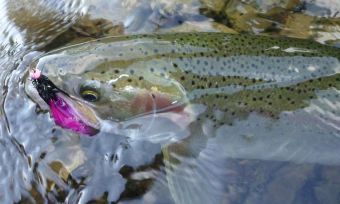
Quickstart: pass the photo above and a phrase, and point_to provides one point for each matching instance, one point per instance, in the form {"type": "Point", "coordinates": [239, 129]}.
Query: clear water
{"type": "Point", "coordinates": [290, 160]}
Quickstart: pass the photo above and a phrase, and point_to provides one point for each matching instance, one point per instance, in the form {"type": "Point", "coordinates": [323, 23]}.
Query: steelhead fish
{"type": "Point", "coordinates": [231, 76]}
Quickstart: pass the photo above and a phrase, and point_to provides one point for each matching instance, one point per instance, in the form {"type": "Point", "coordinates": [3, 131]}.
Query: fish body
{"type": "Point", "coordinates": [232, 75]}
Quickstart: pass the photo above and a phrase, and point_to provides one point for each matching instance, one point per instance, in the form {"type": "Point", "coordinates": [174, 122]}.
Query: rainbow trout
{"type": "Point", "coordinates": [232, 75]}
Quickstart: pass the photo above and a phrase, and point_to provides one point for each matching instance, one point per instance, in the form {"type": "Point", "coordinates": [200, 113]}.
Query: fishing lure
{"type": "Point", "coordinates": [67, 112]}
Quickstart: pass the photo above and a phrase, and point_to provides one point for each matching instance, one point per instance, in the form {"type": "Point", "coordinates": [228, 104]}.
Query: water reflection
{"type": "Point", "coordinates": [274, 161]}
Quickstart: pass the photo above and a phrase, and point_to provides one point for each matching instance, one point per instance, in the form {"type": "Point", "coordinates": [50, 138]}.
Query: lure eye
{"type": "Point", "coordinates": [89, 95]}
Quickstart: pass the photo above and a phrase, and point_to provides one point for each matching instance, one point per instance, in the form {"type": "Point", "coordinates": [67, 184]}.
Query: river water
{"type": "Point", "coordinates": [42, 163]}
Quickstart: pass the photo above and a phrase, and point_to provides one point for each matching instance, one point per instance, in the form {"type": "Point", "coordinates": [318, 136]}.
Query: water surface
{"type": "Point", "coordinates": [260, 160]}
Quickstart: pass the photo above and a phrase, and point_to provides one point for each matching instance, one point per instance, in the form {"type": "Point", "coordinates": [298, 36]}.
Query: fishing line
{"type": "Point", "coordinates": [153, 115]}
{"type": "Point", "coordinates": [154, 111]}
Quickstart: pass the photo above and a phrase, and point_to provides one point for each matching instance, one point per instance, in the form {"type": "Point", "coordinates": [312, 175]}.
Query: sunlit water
{"type": "Point", "coordinates": [256, 160]}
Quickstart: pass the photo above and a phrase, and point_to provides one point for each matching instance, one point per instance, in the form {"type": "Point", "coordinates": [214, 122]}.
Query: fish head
{"type": "Point", "coordinates": [113, 92]}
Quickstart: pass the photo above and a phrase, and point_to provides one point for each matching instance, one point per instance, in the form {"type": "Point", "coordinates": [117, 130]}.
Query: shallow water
{"type": "Point", "coordinates": [290, 160]}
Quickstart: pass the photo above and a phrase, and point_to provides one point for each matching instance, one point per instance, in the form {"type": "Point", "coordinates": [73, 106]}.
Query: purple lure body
{"type": "Point", "coordinates": [66, 114]}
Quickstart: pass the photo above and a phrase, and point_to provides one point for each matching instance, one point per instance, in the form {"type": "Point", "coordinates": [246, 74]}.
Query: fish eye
{"type": "Point", "coordinates": [90, 95]}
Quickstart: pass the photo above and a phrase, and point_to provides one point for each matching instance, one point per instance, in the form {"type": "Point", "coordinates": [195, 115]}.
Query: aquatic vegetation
{"type": "Point", "coordinates": [290, 18]}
